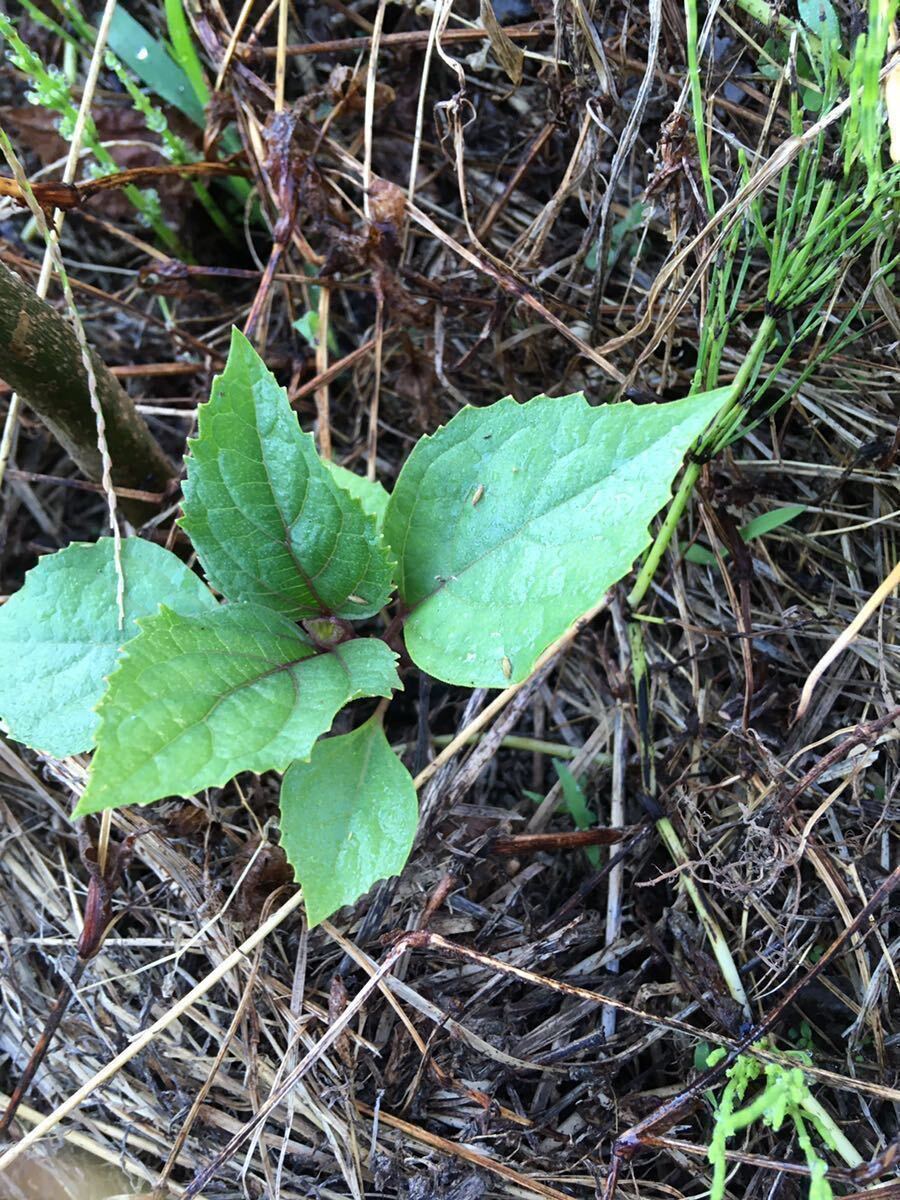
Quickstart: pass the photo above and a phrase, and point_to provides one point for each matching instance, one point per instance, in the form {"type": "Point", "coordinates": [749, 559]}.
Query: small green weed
{"type": "Point", "coordinates": [576, 805]}
{"type": "Point", "coordinates": [179, 83]}
{"type": "Point", "coordinates": [783, 1097]}
{"type": "Point", "coordinates": [49, 89]}
{"type": "Point", "coordinates": [765, 523]}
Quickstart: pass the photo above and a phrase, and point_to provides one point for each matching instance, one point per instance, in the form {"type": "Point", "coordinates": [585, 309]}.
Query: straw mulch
{"type": "Point", "coordinates": [458, 1081]}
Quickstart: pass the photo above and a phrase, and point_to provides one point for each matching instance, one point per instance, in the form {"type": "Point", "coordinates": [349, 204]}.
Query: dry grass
{"type": "Point", "coordinates": [457, 1080]}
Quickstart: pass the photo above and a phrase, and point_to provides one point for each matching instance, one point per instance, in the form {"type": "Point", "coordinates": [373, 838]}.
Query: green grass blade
{"type": "Point", "coordinates": [148, 57]}
{"type": "Point", "coordinates": [185, 52]}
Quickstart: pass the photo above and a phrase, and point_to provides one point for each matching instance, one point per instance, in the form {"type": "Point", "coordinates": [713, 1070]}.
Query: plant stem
{"type": "Point", "coordinates": [690, 14]}
{"type": "Point", "coordinates": [692, 471]}
{"type": "Point", "coordinates": [640, 671]}
{"type": "Point", "coordinates": [794, 265]}
{"type": "Point", "coordinates": [711, 927]}
{"type": "Point", "coordinates": [828, 1126]}
{"type": "Point", "coordinates": [41, 359]}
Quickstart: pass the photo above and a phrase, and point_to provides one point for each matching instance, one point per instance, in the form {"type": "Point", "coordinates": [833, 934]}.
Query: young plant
{"type": "Point", "coordinates": [784, 1096]}
{"type": "Point", "coordinates": [504, 527]}
{"type": "Point", "coordinates": [49, 89]}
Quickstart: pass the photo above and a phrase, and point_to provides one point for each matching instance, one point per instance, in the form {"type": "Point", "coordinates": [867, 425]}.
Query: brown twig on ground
{"type": "Point", "coordinates": [414, 37]}
{"type": "Point", "coordinates": [534, 843]}
{"type": "Point", "coordinates": [70, 196]}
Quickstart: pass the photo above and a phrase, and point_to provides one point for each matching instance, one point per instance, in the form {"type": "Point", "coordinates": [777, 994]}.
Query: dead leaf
{"type": "Point", "coordinates": [506, 52]}
{"type": "Point", "coordinates": [388, 202]}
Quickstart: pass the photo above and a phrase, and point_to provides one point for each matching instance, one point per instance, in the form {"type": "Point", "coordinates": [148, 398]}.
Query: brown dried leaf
{"type": "Point", "coordinates": [270, 871]}
{"type": "Point", "coordinates": [347, 88]}
{"type": "Point", "coordinates": [388, 201]}
{"type": "Point", "coordinates": [506, 52]}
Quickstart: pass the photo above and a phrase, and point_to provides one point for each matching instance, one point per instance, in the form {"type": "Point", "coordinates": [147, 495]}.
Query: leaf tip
{"type": "Point", "coordinates": [240, 342]}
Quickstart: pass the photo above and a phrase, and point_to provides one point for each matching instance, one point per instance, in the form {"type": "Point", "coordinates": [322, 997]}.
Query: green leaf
{"type": "Point", "coordinates": [768, 521]}
{"type": "Point", "coordinates": [348, 818]}
{"type": "Point", "coordinates": [150, 60]}
{"type": "Point", "coordinates": [513, 520]}
{"type": "Point", "coordinates": [577, 805]}
{"type": "Point", "coordinates": [701, 1055]}
{"type": "Point", "coordinates": [308, 327]}
{"type": "Point", "coordinates": [264, 512]}
{"type": "Point", "coordinates": [820, 18]}
{"type": "Point", "coordinates": [763, 524]}
{"type": "Point", "coordinates": [369, 492]}
{"type": "Point", "coordinates": [185, 51]}
{"type": "Point", "coordinates": [700, 556]}
{"type": "Point", "coordinates": [618, 237]}
{"type": "Point", "coordinates": [60, 635]}
{"type": "Point", "coordinates": [197, 699]}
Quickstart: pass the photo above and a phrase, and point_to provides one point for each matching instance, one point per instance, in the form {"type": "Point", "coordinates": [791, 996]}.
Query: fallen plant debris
{"type": "Point", "coordinates": [644, 940]}
{"type": "Point", "coordinates": [69, 196]}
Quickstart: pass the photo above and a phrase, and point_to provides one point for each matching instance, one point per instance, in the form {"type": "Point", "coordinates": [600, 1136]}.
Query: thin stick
{"type": "Point", "coordinates": [420, 115]}
{"type": "Point", "coordinates": [515, 179]}
{"type": "Point", "coordinates": [877, 598]}
{"type": "Point", "coordinates": [739, 1156]}
{"type": "Point", "coordinates": [371, 81]}
{"type": "Point", "coordinates": [178, 1010]}
{"type": "Point", "coordinates": [323, 406]}
{"type": "Point", "coordinates": [617, 871]}
{"type": "Point", "coordinates": [413, 37]}
{"type": "Point", "coordinates": [103, 839]}
{"type": "Point", "coordinates": [334, 370]}
{"type": "Point", "coordinates": [280, 61]}
{"type": "Point", "coordinates": [372, 436]}
{"type": "Point", "coordinates": [368, 135]}
{"type": "Point", "coordinates": [83, 485]}
{"type": "Point", "coordinates": [243, 17]}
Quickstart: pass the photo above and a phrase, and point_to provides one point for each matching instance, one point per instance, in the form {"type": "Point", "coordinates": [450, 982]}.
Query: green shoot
{"type": "Point", "coordinates": [49, 89]}
{"type": "Point", "coordinates": [785, 1098]}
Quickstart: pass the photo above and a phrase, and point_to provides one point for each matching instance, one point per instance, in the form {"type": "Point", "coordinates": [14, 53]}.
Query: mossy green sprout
{"type": "Point", "coordinates": [785, 1097]}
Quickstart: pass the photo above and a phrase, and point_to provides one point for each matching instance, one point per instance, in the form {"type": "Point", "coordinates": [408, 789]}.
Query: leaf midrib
{"type": "Point", "coordinates": [220, 699]}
